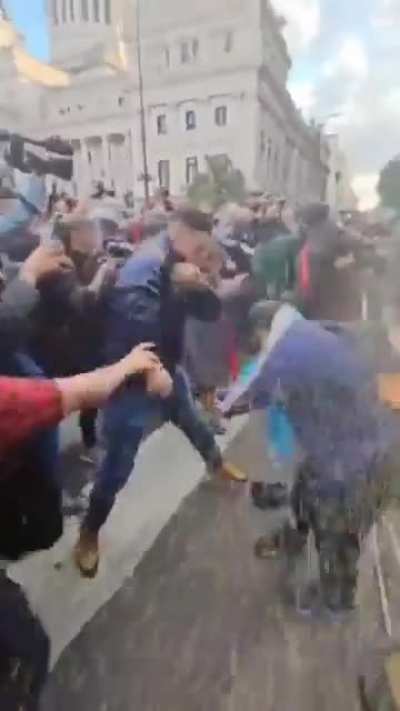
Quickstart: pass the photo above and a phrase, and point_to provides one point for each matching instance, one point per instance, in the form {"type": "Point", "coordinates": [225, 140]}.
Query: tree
{"type": "Point", "coordinates": [222, 183]}
{"type": "Point", "coordinates": [389, 184]}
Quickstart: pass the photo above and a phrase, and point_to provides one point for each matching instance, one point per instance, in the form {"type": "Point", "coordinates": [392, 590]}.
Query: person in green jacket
{"type": "Point", "coordinates": [274, 263]}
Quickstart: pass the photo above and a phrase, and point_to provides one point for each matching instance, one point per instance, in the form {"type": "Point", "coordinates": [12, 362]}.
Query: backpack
{"type": "Point", "coordinates": [24, 650]}
{"type": "Point", "coordinates": [30, 505]}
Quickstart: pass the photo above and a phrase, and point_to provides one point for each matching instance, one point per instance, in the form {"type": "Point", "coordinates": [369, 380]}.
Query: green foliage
{"type": "Point", "coordinates": [221, 184]}
{"type": "Point", "coordinates": [389, 184]}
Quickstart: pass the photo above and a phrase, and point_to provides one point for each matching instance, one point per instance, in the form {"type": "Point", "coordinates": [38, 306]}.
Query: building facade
{"type": "Point", "coordinates": [214, 84]}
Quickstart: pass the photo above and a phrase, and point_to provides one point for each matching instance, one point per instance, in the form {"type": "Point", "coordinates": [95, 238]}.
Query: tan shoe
{"type": "Point", "coordinates": [86, 554]}
{"type": "Point", "coordinates": [229, 472]}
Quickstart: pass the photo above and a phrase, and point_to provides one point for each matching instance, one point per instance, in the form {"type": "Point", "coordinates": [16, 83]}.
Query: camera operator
{"type": "Point", "coordinates": [21, 296]}
{"type": "Point", "coordinates": [20, 207]}
{"type": "Point", "coordinates": [73, 297]}
{"type": "Point", "coordinates": [68, 331]}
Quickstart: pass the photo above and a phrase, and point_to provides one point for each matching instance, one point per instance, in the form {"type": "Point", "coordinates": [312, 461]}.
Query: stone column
{"type": "Point", "coordinates": [86, 175]}
{"type": "Point", "coordinates": [106, 161]}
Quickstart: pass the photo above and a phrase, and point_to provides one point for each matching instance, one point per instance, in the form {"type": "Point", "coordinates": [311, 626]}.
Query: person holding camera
{"type": "Point", "coordinates": [19, 207]}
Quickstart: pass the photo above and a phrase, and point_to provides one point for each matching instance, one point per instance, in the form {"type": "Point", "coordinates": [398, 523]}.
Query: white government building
{"type": "Point", "coordinates": [214, 84]}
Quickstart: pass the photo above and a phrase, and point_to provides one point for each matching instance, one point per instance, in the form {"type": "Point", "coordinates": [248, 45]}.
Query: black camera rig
{"type": "Point", "coordinates": [58, 161]}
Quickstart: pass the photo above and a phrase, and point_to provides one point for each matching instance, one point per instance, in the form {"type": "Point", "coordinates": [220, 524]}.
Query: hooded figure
{"type": "Point", "coordinates": [346, 436]}
{"type": "Point", "coordinates": [327, 289]}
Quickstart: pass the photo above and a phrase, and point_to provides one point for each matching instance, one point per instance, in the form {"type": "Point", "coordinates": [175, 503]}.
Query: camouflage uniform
{"type": "Point", "coordinates": [340, 521]}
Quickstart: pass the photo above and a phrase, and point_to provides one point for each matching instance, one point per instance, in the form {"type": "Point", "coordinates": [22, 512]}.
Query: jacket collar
{"type": "Point", "coordinates": [282, 322]}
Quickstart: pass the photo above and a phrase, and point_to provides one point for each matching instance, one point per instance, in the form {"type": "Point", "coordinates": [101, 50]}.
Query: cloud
{"type": "Point", "coordinates": [351, 60]}
{"type": "Point", "coordinates": [351, 69]}
{"type": "Point", "coordinates": [303, 19]}
{"type": "Point", "coordinates": [304, 95]}
{"type": "Point", "coordinates": [387, 15]}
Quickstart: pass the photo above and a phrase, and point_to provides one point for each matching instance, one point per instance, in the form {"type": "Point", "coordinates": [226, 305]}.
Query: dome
{"type": "Point", "coordinates": [9, 37]}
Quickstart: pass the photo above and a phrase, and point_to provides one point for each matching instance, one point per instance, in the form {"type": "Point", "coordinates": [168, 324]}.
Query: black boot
{"type": "Point", "coordinates": [286, 541]}
{"type": "Point", "coordinates": [269, 496]}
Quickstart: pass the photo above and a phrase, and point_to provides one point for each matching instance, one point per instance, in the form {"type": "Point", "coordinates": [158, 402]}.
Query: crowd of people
{"type": "Point", "coordinates": [148, 318]}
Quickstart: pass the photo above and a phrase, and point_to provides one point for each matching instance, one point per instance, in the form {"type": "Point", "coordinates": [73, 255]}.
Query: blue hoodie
{"type": "Point", "coordinates": [331, 398]}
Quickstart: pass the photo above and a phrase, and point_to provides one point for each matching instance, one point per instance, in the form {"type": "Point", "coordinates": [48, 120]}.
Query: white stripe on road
{"type": "Point", "coordinates": [381, 582]}
{"type": "Point", "coordinates": [167, 471]}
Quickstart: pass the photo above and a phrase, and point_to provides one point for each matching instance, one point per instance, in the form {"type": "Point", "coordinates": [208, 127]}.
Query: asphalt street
{"type": "Point", "coordinates": [182, 616]}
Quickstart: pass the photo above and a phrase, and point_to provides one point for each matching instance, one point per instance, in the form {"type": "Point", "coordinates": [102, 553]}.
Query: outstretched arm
{"type": "Point", "coordinates": [92, 390]}
{"type": "Point", "coordinates": [27, 406]}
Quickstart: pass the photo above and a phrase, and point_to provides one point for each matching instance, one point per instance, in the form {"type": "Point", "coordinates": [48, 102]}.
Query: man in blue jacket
{"type": "Point", "coordinates": [164, 281]}
{"type": "Point", "coordinates": [345, 434]}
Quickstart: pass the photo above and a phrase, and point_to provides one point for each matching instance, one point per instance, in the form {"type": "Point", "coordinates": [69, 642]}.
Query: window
{"type": "Point", "coordinates": [55, 11]}
{"type": "Point", "coordinates": [269, 156]}
{"type": "Point", "coordinates": [276, 168]}
{"type": "Point", "coordinates": [221, 115]}
{"type": "Point", "coordinates": [189, 50]}
{"type": "Point", "coordinates": [107, 11]}
{"type": "Point", "coordinates": [163, 174]}
{"type": "Point", "coordinates": [96, 10]}
{"type": "Point", "coordinates": [72, 10]}
{"type": "Point", "coordinates": [121, 101]}
{"type": "Point", "coordinates": [228, 42]}
{"type": "Point", "coordinates": [192, 169]}
{"type": "Point", "coordinates": [185, 53]}
{"type": "Point", "coordinates": [64, 11]}
{"type": "Point", "coordinates": [85, 10]}
{"type": "Point", "coordinates": [190, 120]}
{"type": "Point", "coordinates": [161, 125]}
{"type": "Point", "coordinates": [89, 155]}
{"type": "Point", "coordinates": [167, 57]}
{"type": "Point", "coordinates": [221, 160]}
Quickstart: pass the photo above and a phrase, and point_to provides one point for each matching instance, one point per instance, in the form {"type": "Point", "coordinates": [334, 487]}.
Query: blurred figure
{"type": "Point", "coordinates": [208, 349]}
{"type": "Point", "coordinates": [348, 438]}
{"type": "Point", "coordinates": [28, 510]}
{"type": "Point", "coordinates": [155, 291]}
{"type": "Point", "coordinates": [328, 281]}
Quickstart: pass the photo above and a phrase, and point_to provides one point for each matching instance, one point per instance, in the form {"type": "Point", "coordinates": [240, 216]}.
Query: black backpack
{"type": "Point", "coordinates": [24, 651]}
{"type": "Point", "coordinates": [30, 506]}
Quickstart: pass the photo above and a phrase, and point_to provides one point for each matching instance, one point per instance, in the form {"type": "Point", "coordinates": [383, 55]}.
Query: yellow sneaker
{"type": "Point", "coordinates": [86, 554]}
{"type": "Point", "coordinates": [229, 472]}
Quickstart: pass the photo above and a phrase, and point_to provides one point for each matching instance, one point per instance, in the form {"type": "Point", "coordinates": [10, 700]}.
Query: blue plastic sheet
{"type": "Point", "coordinates": [280, 434]}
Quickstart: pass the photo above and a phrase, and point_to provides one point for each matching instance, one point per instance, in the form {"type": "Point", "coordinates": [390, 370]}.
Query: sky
{"type": "Point", "coordinates": [30, 18]}
{"type": "Point", "coordinates": [346, 58]}
{"type": "Point", "coordinates": [346, 61]}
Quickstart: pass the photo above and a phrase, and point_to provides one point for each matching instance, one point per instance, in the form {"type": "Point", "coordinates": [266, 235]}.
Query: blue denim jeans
{"type": "Point", "coordinates": [127, 419]}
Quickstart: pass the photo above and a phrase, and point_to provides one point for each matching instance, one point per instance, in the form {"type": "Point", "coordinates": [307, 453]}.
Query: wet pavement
{"type": "Point", "coordinates": [202, 625]}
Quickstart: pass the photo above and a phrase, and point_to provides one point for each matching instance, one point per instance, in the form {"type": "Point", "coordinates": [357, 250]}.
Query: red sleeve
{"type": "Point", "coordinates": [26, 406]}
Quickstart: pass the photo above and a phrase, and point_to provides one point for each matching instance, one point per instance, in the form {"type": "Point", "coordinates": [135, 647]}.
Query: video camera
{"type": "Point", "coordinates": [57, 162]}
{"type": "Point", "coordinates": [120, 250]}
